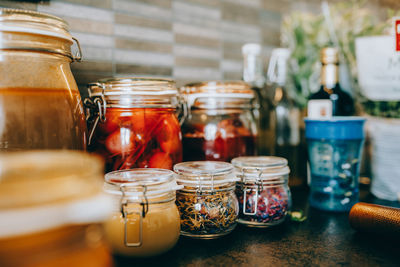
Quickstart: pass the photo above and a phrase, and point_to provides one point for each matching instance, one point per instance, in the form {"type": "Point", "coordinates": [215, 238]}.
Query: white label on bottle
{"type": "Point", "coordinates": [319, 108]}
{"type": "Point", "coordinates": [378, 68]}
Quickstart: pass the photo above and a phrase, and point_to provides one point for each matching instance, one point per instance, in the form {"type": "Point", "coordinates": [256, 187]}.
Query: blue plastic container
{"type": "Point", "coordinates": [334, 149]}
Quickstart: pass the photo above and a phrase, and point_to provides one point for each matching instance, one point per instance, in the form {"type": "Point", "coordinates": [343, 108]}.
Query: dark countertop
{"type": "Point", "coordinates": [323, 239]}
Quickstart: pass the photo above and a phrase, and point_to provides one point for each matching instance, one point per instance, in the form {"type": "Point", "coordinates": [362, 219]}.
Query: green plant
{"type": "Point", "coordinates": [305, 34]}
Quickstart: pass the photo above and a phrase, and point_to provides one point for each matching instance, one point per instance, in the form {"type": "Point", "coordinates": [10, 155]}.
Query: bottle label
{"type": "Point", "coordinates": [378, 67]}
{"type": "Point", "coordinates": [319, 108]}
{"type": "Point", "coordinates": [397, 33]}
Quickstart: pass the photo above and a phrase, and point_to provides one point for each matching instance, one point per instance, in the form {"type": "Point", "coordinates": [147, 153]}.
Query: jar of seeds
{"type": "Point", "coordinates": [207, 202]}
{"type": "Point", "coordinates": [263, 191]}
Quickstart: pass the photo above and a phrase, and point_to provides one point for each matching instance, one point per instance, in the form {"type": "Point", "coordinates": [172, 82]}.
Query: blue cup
{"type": "Point", "coordinates": [334, 149]}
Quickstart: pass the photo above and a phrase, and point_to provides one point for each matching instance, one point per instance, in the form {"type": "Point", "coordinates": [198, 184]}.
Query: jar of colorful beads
{"type": "Point", "coordinates": [263, 191]}
{"type": "Point", "coordinates": [207, 202]}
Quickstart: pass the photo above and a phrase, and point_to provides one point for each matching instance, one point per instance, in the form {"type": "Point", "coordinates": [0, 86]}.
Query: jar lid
{"type": "Point", "coordinates": [136, 92]}
{"type": "Point", "coordinates": [251, 48]}
{"type": "Point", "coordinates": [140, 86]}
{"type": "Point", "coordinates": [253, 168]}
{"type": "Point", "coordinates": [33, 22]}
{"type": "Point", "coordinates": [43, 190]}
{"type": "Point", "coordinates": [139, 183]}
{"type": "Point", "coordinates": [230, 93]}
{"type": "Point", "coordinates": [205, 174]}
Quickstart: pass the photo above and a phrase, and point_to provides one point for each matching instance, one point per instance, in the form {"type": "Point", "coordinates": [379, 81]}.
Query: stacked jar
{"type": "Point", "coordinates": [263, 191]}
{"type": "Point", "coordinates": [221, 123]}
{"type": "Point", "coordinates": [51, 210]}
{"type": "Point", "coordinates": [207, 202]}
{"type": "Point", "coordinates": [134, 123]}
{"type": "Point", "coordinates": [41, 107]}
{"type": "Point", "coordinates": [145, 221]}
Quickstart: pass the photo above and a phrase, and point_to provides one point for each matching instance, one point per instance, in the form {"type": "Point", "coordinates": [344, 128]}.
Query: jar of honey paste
{"type": "Point", "coordinates": [51, 209]}
{"type": "Point", "coordinates": [207, 202]}
{"type": "Point", "coordinates": [145, 221]}
{"type": "Point", "coordinates": [40, 105]}
{"type": "Point", "coordinates": [221, 123]}
{"type": "Point", "coordinates": [134, 123]}
{"type": "Point", "coordinates": [263, 191]}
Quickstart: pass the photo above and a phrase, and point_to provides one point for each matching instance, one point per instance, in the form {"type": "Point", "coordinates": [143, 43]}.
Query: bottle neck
{"type": "Point", "coordinates": [279, 77]}
{"type": "Point", "coordinates": [253, 70]}
{"type": "Point", "coordinates": [329, 76]}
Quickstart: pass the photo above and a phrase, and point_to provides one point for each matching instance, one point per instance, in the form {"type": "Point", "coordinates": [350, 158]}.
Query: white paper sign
{"type": "Point", "coordinates": [319, 108]}
{"type": "Point", "coordinates": [378, 68]}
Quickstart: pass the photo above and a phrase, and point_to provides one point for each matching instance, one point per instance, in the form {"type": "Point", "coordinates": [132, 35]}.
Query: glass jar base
{"type": "Point", "coordinates": [208, 236]}
{"type": "Point", "coordinates": [258, 224]}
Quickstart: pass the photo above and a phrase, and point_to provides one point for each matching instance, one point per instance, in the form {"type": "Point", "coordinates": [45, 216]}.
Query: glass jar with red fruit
{"type": "Point", "coordinates": [134, 123]}
{"type": "Point", "coordinates": [220, 124]}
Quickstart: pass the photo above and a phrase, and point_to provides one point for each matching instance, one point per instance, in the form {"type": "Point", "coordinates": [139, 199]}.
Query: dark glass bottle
{"type": "Point", "coordinates": [341, 103]}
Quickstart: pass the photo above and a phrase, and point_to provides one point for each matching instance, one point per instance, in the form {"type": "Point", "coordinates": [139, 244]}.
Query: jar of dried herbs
{"type": "Point", "coordinates": [263, 191]}
{"type": "Point", "coordinates": [207, 202]}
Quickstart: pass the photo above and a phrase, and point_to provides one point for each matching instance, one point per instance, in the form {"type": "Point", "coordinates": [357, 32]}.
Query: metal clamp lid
{"type": "Point", "coordinates": [95, 109]}
{"type": "Point", "coordinates": [125, 213]}
{"type": "Point", "coordinates": [260, 185]}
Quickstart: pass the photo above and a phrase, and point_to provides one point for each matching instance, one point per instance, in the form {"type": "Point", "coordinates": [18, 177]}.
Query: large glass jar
{"type": "Point", "coordinates": [207, 202]}
{"type": "Point", "coordinates": [134, 123]}
{"type": "Point", "coordinates": [145, 221]}
{"type": "Point", "coordinates": [220, 124]}
{"type": "Point", "coordinates": [40, 105]}
{"type": "Point", "coordinates": [51, 210]}
{"type": "Point", "coordinates": [263, 191]}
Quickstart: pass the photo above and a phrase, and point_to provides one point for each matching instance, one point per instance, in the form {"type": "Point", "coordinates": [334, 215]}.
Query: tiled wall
{"type": "Point", "coordinates": [188, 40]}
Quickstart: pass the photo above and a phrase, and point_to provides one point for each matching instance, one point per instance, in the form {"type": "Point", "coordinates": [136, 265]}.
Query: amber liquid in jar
{"type": "Point", "coordinates": [77, 245]}
{"type": "Point", "coordinates": [35, 118]}
{"type": "Point", "coordinates": [161, 229]}
{"type": "Point", "coordinates": [139, 138]}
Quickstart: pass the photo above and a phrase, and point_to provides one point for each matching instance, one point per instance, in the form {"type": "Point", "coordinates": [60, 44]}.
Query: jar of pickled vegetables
{"type": "Point", "coordinates": [41, 107]}
{"type": "Point", "coordinates": [263, 191]}
{"type": "Point", "coordinates": [220, 124]}
{"type": "Point", "coordinates": [145, 221]}
{"type": "Point", "coordinates": [207, 202]}
{"type": "Point", "coordinates": [134, 123]}
{"type": "Point", "coordinates": [51, 209]}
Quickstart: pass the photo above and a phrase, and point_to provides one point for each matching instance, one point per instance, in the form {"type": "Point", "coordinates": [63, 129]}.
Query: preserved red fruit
{"type": "Point", "coordinates": [139, 138]}
{"type": "Point", "coordinates": [221, 123]}
{"type": "Point", "coordinates": [222, 141]}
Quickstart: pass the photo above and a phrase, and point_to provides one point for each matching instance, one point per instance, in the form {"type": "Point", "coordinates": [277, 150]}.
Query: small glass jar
{"type": "Point", "coordinates": [145, 221]}
{"type": "Point", "coordinates": [263, 191]}
{"type": "Point", "coordinates": [134, 123]}
{"type": "Point", "coordinates": [221, 123]}
{"type": "Point", "coordinates": [207, 203]}
{"type": "Point", "coordinates": [41, 107]}
{"type": "Point", "coordinates": [51, 210]}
